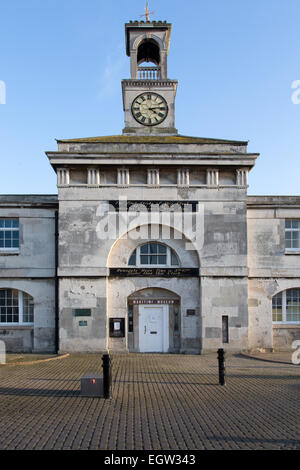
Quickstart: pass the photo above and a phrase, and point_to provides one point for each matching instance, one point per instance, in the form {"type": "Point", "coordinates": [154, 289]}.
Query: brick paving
{"type": "Point", "coordinates": [160, 402]}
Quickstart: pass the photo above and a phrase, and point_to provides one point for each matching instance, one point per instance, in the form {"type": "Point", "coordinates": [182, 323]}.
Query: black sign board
{"type": "Point", "coordinates": [154, 272]}
{"type": "Point", "coordinates": [82, 312]}
{"type": "Point", "coordinates": [190, 312]}
{"type": "Point", "coordinates": [153, 301]}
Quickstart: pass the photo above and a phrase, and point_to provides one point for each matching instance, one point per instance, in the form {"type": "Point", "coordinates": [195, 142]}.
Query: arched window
{"type": "Point", "coordinates": [153, 254]}
{"type": "Point", "coordinates": [148, 51]}
{"type": "Point", "coordinates": [286, 307]}
{"type": "Point", "coordinates": [16, 307]}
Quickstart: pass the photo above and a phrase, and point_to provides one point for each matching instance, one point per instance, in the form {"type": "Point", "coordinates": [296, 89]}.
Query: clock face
{"type": "Point", "coordinates": [149, 109]}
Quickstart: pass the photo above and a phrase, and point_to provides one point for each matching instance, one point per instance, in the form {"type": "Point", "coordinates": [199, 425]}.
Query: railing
{"type": "Point", "coordinates": [148, 73]}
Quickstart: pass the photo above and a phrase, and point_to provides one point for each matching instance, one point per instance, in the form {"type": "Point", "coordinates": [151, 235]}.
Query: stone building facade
{"type": "Point", "coordinates": [152, 243]}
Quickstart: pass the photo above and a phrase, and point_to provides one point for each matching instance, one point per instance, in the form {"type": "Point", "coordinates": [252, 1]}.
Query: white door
{"type": "Point", "coordinates": [154, 328]}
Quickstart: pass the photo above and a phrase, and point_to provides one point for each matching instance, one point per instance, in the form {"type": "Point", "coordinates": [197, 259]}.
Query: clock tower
{"type": "Point", "coordinates": [149, 95]}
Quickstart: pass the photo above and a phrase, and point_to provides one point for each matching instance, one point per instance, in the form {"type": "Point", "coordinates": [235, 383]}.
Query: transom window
{"type": "Point", "coordinates": [15, 307]}
{"type": "Point", "coordinates": [153, 254]}
{"type": "Point", "coordinates": [292, 234]}
{"type": "Point", "coordinates": [9, 234]}
{"type": "Point", "coordinates": [286, 306]}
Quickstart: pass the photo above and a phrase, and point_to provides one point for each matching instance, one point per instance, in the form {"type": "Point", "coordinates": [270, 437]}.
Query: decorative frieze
{"type": "Point", "coordinates": [93, 176]}
{"type": "Point", "coordinates": [183, 177]}
{"type": "Point", "coordinates": [63, 176]}
{"type": "Point", "coordinates": [212, 177]}
{"type": "Point", "coordinates": [123, 177]}
{"type": "Point", "coordinates": [242, 177]}
{"type": "Point", "coordinates": [153, 177]}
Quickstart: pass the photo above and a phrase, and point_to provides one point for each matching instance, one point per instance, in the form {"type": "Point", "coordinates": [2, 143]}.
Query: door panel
{"type": "Point", "coordinates": [153, 321]}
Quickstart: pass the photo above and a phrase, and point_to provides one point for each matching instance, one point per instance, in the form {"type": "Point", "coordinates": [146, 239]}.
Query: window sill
{"type": "Point", "coordinates": [286, 325]}
{"type": "Point", "coordinates": [7, 252]}
{"type": "Point", "coordinates": [292, 252]}
{"type": "Point", "coordinates": [13, 326]}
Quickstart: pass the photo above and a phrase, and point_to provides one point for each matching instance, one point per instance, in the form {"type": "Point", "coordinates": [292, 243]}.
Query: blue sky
{"type": "Point", "coordinates": [62, 62]}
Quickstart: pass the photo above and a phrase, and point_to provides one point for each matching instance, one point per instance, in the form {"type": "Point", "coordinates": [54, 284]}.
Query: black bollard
{"type": "Point", "coordinates": [221, 360]}
{"type": "Point", "coordinates": [106, 364]}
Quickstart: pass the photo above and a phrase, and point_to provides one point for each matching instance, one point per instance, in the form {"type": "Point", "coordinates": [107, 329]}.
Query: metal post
{"type": "Point", "coordinates": [221, 360]}
{"type": "Point", "coordinates": [106, 364]}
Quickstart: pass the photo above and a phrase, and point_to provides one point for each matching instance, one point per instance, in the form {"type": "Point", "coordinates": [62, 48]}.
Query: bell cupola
{"type": "Point", "coordinates": [149, 95]}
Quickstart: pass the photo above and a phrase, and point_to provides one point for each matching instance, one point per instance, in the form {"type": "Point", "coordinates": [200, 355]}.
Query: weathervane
{"type": "Point", "coordinates": [147, 12]}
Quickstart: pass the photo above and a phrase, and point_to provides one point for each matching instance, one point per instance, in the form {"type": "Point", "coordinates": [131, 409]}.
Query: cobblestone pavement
{"type": "Point", "coordinates": [160, 402]}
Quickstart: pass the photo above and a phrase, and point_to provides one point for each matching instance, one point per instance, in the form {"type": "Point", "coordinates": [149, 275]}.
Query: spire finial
{"type": "Point", "coordinates": [147, 12]}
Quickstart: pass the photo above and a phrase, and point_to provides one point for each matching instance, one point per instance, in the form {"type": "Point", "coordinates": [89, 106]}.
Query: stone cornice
{"type": "Point", "coordinates": [66, 158]}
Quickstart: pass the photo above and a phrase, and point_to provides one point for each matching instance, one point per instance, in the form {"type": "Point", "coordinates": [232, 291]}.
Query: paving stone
{"type": "Point", "coordinates": [159, 402]}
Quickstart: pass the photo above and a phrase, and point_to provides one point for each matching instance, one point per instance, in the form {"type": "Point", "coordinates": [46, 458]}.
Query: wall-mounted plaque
{"type": "Point", "coordinates": [82, 312]}
{"type": "Point", "coordinates": [191, 312]}
{"type": "Point", "coordinates": [154, 272]}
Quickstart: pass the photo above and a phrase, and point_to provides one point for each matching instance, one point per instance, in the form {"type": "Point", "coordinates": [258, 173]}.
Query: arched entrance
{"type": "Point", "coordinates": [154, 321]}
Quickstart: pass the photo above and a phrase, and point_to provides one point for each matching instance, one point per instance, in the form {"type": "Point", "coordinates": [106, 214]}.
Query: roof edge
{"type": "Point", "coordinates": [152, 139]}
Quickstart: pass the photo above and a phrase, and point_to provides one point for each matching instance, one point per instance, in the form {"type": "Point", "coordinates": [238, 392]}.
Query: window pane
{"type": "Point", "coordinates": [132, 259]}
{"type": "Point", "coordinates": [295, 241]}
{"type": "Point", "coordinates": [276, 316]}
{"type": "Point", "coordinates": [8, 294]}
{"type": "Point", "coordinates": [153, 247]}
{"type": "Point", "coordinates": [288, 243]}
{"type": "Point", "coordinates": [174, 259]}
{"type": "Point", "coordinates": [292, 317]}
{"type": "Point", "coordinates": [27, 308]}
{"type": "Point", "coordinates": [9, 233]}
{"type": "Point", "coordinates": [293, 305]}
{"type": "Point", "coordinates": [9, 306]}
{"type": "Point", "coordinates": [157, 254]}
{"type": "Point", "coordinates": [277, 308]}
{"type": "Point", "coordinates": [288, 224]}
